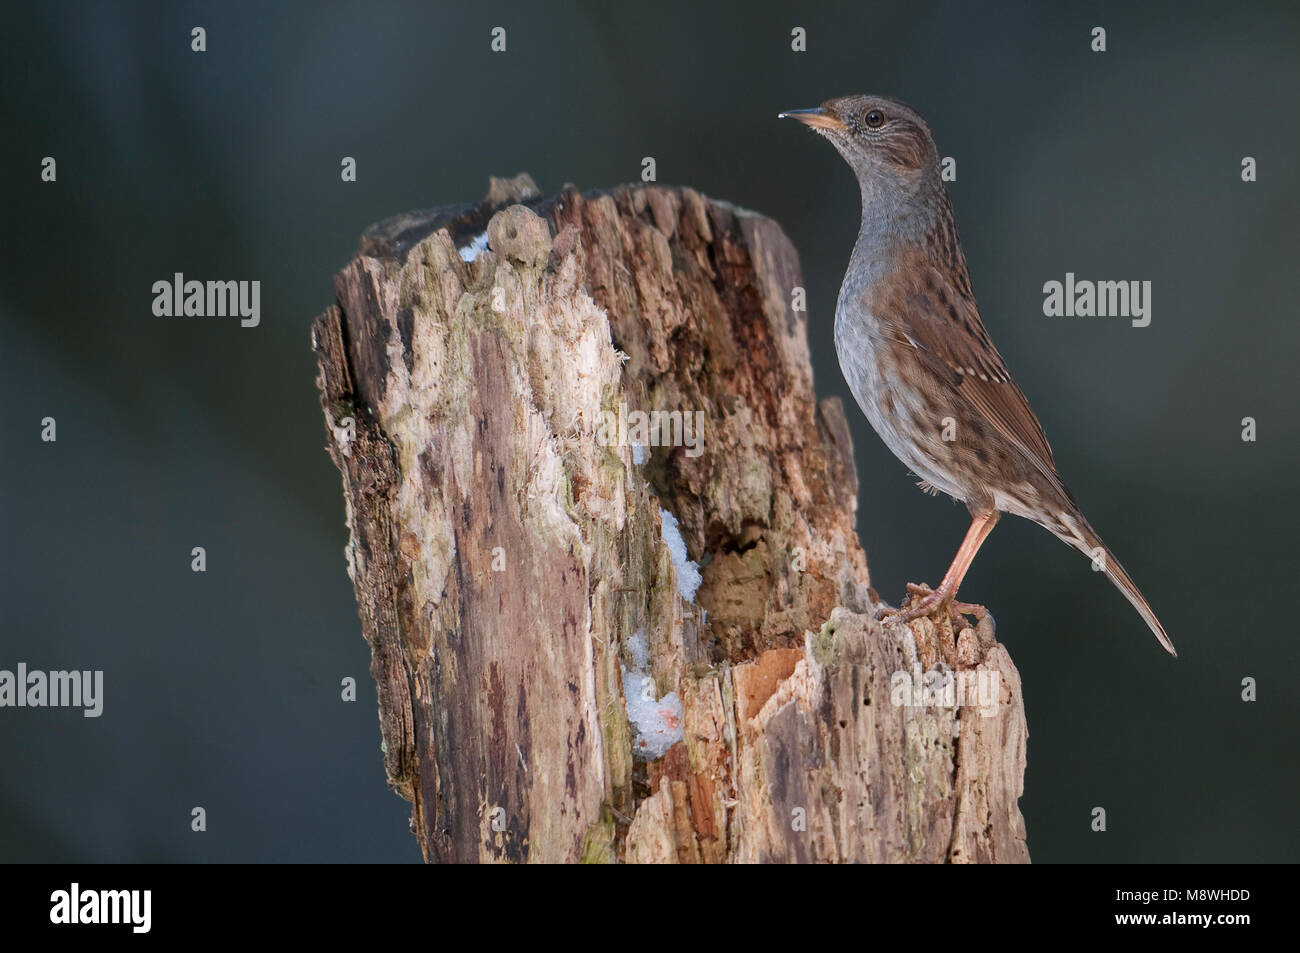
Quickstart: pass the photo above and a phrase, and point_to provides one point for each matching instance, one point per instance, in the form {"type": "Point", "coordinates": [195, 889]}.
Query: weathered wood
{"type": "Point", "coordinates": [515, 584]}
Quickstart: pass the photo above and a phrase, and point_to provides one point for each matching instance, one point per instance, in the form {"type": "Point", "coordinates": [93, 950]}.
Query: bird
{"type": "Point", "coordinates": [921, 364]}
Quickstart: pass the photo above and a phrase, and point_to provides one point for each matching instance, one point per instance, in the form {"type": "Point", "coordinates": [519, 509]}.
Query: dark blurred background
{"type": "Point", "coordinates": [222, 689]}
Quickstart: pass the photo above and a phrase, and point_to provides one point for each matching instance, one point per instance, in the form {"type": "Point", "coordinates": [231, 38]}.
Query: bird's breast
{"type": "Point", "coordinates": [886, 389]}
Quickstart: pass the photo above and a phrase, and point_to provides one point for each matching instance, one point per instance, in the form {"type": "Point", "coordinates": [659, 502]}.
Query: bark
{"type": "Point", "coordinates": [533, 648]}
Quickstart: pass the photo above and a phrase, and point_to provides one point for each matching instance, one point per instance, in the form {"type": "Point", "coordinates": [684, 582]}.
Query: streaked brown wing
{"type": "Point", "coordinates": [940, 319]}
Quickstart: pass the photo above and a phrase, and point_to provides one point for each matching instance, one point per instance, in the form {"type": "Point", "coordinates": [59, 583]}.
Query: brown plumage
{"type": "Point", "coordinates": [919, 361]}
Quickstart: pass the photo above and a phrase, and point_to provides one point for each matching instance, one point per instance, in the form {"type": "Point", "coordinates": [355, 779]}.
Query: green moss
{"type": "Point", "coordinates": [826, 647]}
{"type": "Point", "coordinates": [598, 842]}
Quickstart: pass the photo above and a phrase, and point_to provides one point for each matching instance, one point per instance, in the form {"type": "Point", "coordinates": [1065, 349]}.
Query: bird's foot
{"type": "Point", "coordinates": [927, 600]}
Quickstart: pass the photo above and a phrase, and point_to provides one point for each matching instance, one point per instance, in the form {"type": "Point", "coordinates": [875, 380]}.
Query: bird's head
{"type": "Point", "coordinates": [882, 139]}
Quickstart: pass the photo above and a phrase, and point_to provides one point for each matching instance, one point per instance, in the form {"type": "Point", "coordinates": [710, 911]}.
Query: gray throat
{"type": "Point", "coordinates": [890, 217]}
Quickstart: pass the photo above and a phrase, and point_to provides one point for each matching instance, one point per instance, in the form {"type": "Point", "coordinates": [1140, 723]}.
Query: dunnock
{"type": "Point", "coordinates": [919, 361]}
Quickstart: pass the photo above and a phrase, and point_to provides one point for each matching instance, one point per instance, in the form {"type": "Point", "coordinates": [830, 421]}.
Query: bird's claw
{"type": "Point", "coordinates": [929, 600]}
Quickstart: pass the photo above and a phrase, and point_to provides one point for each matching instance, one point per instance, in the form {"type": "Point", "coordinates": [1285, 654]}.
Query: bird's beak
{"type": "Point", "coordinates": [817, 118]}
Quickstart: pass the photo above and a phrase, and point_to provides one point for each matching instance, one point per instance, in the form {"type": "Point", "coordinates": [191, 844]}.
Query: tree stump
{"type": "Point", "coordinates": [603, 547]}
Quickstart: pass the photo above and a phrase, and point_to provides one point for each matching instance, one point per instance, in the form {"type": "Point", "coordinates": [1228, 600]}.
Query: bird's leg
{"type": "Point", "coordinates": [945, 595]}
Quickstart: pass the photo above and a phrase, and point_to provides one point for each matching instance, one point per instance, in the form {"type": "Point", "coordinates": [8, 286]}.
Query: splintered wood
{"type": "Point", "coordinates": [602, 541]}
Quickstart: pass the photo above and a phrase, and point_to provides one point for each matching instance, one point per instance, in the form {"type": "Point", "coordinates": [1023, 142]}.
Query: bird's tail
{"type": "Point", "coordinates": [1085, 539]}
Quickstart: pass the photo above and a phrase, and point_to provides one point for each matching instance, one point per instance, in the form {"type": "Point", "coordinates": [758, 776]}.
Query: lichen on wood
{"type": "Point", "coordinates": [507, 555]}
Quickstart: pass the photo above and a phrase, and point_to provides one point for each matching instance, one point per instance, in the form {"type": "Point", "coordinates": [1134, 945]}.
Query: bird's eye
{"type": "Point", "coordinates": [875, 119]}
